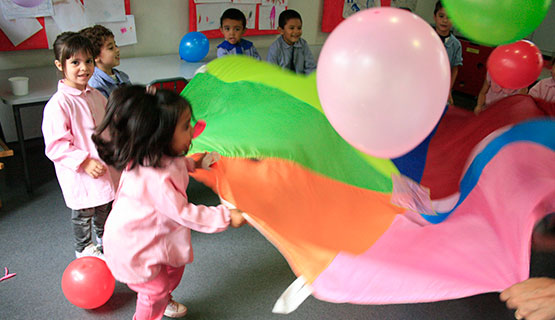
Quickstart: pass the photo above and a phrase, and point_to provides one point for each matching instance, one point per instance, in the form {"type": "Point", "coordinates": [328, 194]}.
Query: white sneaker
{"type": "Point", "coordinates": [175, 310]}
{"type": "Point", "coordinates": [90, 251]}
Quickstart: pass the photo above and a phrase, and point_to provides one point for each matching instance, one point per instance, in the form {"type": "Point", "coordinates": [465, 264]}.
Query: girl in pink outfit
{"type": "Point", "coordinates": [68, 123]}
{"type": "Point", "coordinates": [545, 88]}
{"type": "Point", "coordinates": [492, 92]}
{"type": "Point", "coordinates": [147, 241]}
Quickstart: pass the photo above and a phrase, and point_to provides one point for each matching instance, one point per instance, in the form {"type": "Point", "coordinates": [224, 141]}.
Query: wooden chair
{"type": "Point", "coordinates": [175, 84]}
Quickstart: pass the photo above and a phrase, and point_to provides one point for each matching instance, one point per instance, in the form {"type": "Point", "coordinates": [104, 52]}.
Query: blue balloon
{"type": "Point", "coordinates": [193, 47]}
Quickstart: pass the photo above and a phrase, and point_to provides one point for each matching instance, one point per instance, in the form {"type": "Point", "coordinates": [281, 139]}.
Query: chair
{"type": "Point", "coordinates": [176, 84]}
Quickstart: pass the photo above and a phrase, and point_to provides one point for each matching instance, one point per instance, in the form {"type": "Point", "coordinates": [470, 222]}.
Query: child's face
{"type": "Point", "coordinates": [443, 24]}
{"type": "Point", "coordinates": [292, 31]}
{"type": "Point", "coordinates": [183, 134]}
{"type": "Point", "coordinates": [233, 30]}
{"type": "Point", "coordinates": [77, 70]}
{"type": "Point", "coordinates": [108, 57]}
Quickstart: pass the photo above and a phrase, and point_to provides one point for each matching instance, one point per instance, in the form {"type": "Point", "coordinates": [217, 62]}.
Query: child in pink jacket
{"type": "Point", "coordinates": [68, 122]}
{"type": "Point", "coordinates": [147, 241]}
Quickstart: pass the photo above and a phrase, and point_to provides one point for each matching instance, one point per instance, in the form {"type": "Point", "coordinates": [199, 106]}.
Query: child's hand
{"type": "Point", "coordinates": [477, 109]}
{"type": "Point", "coordinates": [237, 219]}
{"type": "Point", "coordinates": [93, 168]}
{"type": "Point", "coordinates": [209, 159]}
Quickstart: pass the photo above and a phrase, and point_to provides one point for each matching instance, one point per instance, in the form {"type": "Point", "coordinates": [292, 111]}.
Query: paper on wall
{"type": "Point", "coordinates": [229, 1]}
{"type": "Point", "coordinates": [19, 30]}
{"type": "Point", "coordinates": [274, 2]}
{"type": "Point", "coordinates": [69, 15]}
{"type": "Point", "coordinates": [10, 10]}
{"type": "Point", "coordinates": [408, 4]}
{"type": "Point", "coordinates": [124, 32]}
{"type": "Point", "coordinates": [97, 11]}
{"type": "Point", "coordinates": [353, 6]}
{"type": "Point", "coordinates": [208, 15]}
{"type": "Point", "coordinates": [52, 31]}
{"type": "Point", "coordinates": [268, 17]}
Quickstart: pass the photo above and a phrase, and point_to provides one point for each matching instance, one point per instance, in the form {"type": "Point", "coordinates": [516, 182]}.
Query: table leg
{"type": "Point", "coordinates": [21, 140]}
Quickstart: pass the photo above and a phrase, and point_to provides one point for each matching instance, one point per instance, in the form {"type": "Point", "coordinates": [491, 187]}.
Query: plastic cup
{"type": "Point", "coordinates": [20, 85]}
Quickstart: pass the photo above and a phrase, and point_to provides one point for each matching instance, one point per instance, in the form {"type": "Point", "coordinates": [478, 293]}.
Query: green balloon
{"type": "Point", "coordinates": [496, 22]}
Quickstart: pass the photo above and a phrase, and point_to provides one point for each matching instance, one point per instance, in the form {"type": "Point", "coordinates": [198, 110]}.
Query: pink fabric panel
{"type": "Point", "coordinates": [484, 246]}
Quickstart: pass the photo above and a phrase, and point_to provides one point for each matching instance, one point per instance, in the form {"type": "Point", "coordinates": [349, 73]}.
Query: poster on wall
{"type": "Point", "coordinates": [336, 11]}
{"type": "Point", "coordinates": [36, 28]}
{"type": "Point", "coordinates": [261, 15]}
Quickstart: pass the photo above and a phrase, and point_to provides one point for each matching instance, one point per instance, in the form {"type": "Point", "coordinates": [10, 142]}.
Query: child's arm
{"type": "Point", "coordinates": [255, 53]}
{"type": "Point", "coordinates": [272, 56]}
{"type": "Point", "coordinates": [221, 52]}
{"type": "Point", "coordinates": [309, 63]}
{"type": "Point", "coordinates": [482, 97]}
{"type": "Point", "coordinates": [454, 73]}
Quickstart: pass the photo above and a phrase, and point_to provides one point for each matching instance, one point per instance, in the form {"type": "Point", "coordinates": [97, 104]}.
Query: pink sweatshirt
{"type": "Point", "coordinates": [151, 221]}
{"type": "Point", "coordinates": [544, 89]}
{"type": "Point", "coordinates": [496, 92]}
{"type": "Point", "coordinates": [69, 119]}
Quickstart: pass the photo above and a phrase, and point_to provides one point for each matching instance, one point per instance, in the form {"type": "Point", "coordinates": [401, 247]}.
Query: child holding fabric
{"type": "Point", "coordinates": [147, 241]}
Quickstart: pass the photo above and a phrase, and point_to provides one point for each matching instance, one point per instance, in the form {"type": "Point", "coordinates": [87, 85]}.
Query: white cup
{"type": "Point", "coordinates": [20, 85]}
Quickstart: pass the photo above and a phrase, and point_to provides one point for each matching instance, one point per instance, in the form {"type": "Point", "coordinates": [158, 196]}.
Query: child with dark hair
{"type": "Point", "coordinates": [233, 25]}
{"type": "Point", "coordinates": [290, 51]}
{"type": "Point", "coordinates": [105, 77]}
{"type": "Point", "coordinates": [545, 88]}
{"type": "Point", "coordinates": [68, 123]}
{"type": "Point", "coordinates": [453, 46]}
{"type": "Point", "coordinates": [147, 241]}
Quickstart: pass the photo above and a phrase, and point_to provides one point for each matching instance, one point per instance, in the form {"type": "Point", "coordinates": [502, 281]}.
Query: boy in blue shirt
{"type": "Point", "coordinates": [290, 51]}
{"type": "Point", "coordinates": [452, 44]}
{"type": "Point", "coordinates": [233, 25]}
{"type": "Point", "coordinates": [105, 78]}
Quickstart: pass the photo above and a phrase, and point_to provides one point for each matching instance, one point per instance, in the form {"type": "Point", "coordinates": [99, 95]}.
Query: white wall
{"type": "Point", "coordinates": [160, 27]}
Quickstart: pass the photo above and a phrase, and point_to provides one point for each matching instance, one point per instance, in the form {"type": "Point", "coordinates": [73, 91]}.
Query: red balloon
{"type": "Point", "coordinates": [515, 65]}
{"type": "Point", "coordinates": [88, 283]}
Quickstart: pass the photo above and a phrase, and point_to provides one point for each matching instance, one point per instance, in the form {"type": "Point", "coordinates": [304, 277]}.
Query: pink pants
{"type": "Point", "coordinates": [153, 296]}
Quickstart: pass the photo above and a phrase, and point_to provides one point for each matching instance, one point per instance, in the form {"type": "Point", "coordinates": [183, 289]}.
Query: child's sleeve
{"type": "Point", "coordinates": [255, 53]}
{"type": "Point", "coordinates": [309, 63]}
{"type": "Point", "coordinates": [174, 204]}
{"type": "Point", "coordinates": [272, 56]}
{"type": "Point", "coordinates": [58, 139]}
{"type": "Point", "coordinates": [221, 52]}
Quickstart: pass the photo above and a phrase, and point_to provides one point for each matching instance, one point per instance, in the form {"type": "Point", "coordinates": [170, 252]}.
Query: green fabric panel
{"type": "Point", "coordinates": [251, 120]}
{"type": "Point", "coordinates": [234, 68]}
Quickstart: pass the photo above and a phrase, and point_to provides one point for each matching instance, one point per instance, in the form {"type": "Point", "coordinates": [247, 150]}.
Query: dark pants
{"type": "Point", "coordinates": [82, 220]}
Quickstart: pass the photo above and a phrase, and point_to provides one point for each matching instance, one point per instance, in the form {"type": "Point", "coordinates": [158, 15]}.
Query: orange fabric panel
{"type": "Point", "coordinates": [281, 196]}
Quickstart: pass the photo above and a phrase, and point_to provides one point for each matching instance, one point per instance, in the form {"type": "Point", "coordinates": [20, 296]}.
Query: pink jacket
{"type": "Point", "coordinates": [496, 92]}
{"type": "Point", "coordinates": [151, 221]}
{"type": "Point", "coordinates": [544, 89]}
{"type": "Point", "coordinates": [68, 122]}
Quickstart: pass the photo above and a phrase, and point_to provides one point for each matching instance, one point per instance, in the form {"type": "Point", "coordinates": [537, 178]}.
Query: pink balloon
{"type": "Point", "coordinates": [383, 80]}
{"type": "Point", "coordinates": [516, 65]}
{"type": "Point", "coordinates": [28, 3]}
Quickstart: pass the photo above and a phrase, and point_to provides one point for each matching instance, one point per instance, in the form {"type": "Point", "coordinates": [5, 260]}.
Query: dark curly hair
{"type": "Point", "coordinates": [97, 34]}
{"type": "Point", "coordinates": [138, 127]}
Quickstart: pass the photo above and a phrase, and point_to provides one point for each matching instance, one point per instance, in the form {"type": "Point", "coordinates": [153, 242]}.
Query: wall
{"type": "Point", "coordinates": [162, 24]}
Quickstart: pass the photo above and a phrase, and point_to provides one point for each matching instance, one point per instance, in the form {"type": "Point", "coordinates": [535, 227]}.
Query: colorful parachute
{"type": "Point", "coordinates": [328, 207]}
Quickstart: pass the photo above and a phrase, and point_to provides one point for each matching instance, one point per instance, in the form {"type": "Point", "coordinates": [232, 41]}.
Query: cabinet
{"type": "Point", "coordinates": [473, 71]}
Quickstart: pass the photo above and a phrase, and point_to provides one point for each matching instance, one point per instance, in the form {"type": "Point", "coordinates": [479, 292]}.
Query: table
{"type": "Point", "coordinates": [43, 84]}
